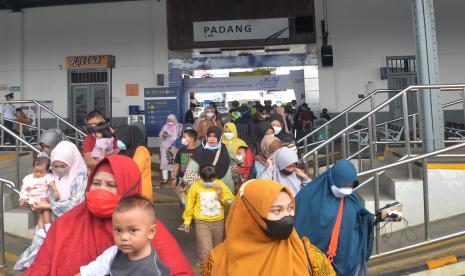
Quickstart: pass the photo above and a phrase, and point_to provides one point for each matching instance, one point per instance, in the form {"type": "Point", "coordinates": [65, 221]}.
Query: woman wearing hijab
{"type": "Point", "coordinates": [70, 170]}
{"type": "Point", "coordinates": [278, 124]}
{"type": "Point", "coordinates": [261, 130]}
{"type": "Point", "coordinates": [231, 139]}
{"type": "Point", "coordinates": [281, 111]}
{"type": "Point", "coordinates": [211, 152]}
{"type": "Point", "coordinates": [261, 239]}
{"type": "Point", "coordinates": [50, 139]}
{"type": "Point", "coordinates": [168, 134]}
{"type": "Point", "coordinates": [131, 143]}
{"type": "Point", "coordinates": [83, 233]}
{"type": "Point", "coordinates": [283, 169]}
{"type": "Point", "coordinates": [317, 208]}
{"type": "Point", "coordinates": [269, 145]}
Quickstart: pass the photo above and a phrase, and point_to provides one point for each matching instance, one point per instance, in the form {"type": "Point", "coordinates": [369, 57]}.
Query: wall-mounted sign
{"type": "Point", "coordinates": [274, 82]}
{"type": "Point", "coordinates": [98, 61]}
{"type": "Point", "coordinates": [157, 92]}
{"type": "Point", "coordinates": [271, 28]}
{"type": "Point", "coordinates": [132, 89]}
{"type": "Point", "coordinates": [156, 112]}
{"type": "Point", "coordinates": [14, 88]}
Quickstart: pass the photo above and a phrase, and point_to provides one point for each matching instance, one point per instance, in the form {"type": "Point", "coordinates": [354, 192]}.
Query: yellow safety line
{"type": "Point", "coordinates": [10, 156]}
{"type": "Point", "coordinates": [441, 262]}
{"type": "Point", "coordinates": [446, 166]}
{"type": "Point", "coordinates": [11, 257]}
{"type": "Point", "coordinates": [7, 157]}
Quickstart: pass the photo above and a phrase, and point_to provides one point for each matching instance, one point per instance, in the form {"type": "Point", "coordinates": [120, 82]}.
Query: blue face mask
{"type": "Point", "coordinates": [208, 184]}
{"type": "Point", "coordinates": [339, 192]}
{"type": "Point", "coordinates": [121, 145]}
{"type": "Point", "coordinates": [209, 147]}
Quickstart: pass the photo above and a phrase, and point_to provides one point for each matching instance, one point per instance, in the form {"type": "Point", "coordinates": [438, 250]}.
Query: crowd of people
{"type": "Point", "coordinates": [239, 184]}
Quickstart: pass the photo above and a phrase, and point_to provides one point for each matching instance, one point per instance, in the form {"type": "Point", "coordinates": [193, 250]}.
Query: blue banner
{"type": "Point", "coordinates": [157, 92]}
{"type": "Point", "coordinates": [156, 112]}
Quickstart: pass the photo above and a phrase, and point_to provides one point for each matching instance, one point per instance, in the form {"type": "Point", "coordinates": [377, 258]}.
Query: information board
{"type": "Point", "coordinates": [157, 92]}
{"type": "Point", "coordinates": [156, 112]}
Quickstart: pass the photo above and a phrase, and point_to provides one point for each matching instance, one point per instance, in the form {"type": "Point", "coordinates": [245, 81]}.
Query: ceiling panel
{"type": "Point", "coordinates": [17, 5]}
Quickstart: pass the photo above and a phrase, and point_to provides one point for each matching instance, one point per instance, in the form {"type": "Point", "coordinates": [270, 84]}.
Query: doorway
{"type": "Point", "coordinates": [401, 74]}
{"type": "Point", "coordinates": [89, 90]}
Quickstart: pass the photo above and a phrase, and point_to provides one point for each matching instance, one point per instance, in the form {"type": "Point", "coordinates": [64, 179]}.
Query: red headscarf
{"type": "Point", "coordinates": [79, 237]}
{"type": "Point", "coordinates": [244, 168]}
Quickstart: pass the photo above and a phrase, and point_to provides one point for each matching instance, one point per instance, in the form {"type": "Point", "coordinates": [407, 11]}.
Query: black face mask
{"type": "Point", "coordinates": [286, 172]}
{"type": "Point", "coordinates": [279, 229]}
{"type": "Point", "coordinates": [276, 229]}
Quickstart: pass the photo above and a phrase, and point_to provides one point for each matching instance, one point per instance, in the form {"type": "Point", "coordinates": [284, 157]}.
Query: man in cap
{"type": "Point", "coordinates": [9, 114]}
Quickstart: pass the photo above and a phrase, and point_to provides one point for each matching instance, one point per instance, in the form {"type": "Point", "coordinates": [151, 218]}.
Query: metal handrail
{"type": "Point", "coordinates": [406, 160]}
{"type": "Point", "coordinates": [58, 117]}
{"type": "Point", "coordinates": [18, 138]}
{"type": "Point", "coordinates": [10, 184]}
{"type": "Point", "coordinates": [351, 107]}
{"type": "Point", "coordinates": [36, 128]}
{"type": "Point", "coordinates": [409, 116]}
{"type": "Point", "coordinates": [379, 107]}
{"type": "Point", "coordinates": [412, 159]}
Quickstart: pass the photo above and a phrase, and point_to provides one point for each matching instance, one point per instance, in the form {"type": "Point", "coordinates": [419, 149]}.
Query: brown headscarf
{"type": "Point", "coordinates": [269, 145]}
{"type": "Point", "coordinates": [247, 250]}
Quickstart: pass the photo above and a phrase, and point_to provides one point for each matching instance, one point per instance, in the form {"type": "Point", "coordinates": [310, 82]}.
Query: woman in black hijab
{"type": "Point", "coordinates": [211, 152]}
{"type": "Point", "coordinates": [131, 142]}
{"type": "Point", "coordinates": [277, 123]}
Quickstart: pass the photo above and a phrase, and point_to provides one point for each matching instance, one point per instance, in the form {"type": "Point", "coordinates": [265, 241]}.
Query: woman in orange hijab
{"type": "Point", "coordinates": [261, 239]}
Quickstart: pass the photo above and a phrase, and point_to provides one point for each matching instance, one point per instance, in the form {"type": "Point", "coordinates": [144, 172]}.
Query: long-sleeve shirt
{"type": "Point", "coordinates": [204, 203]}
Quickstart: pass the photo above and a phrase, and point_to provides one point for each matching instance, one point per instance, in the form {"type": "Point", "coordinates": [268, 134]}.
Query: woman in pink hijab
{"type": "Point", "coordinates": [168, 134]}
{"type": "Point", "coordinates": [70, 173]}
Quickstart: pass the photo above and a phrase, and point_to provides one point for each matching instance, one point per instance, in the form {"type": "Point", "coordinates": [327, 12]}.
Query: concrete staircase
{"type": "Point", "coordinates": [19, 221]}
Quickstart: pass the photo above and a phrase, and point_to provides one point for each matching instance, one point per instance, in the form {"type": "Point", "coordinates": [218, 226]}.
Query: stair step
{"type": "Point", "coordinates": [10, 199]}
{"type": "Point", "coordinates": [20, 221]}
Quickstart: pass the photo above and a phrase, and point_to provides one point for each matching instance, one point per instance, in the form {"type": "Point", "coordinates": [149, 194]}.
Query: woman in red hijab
{"type": "Point", "coordinates": [83, 233]}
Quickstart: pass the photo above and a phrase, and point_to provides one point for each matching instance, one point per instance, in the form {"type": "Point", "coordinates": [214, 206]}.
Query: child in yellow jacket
{"type": "Point", "coordinates": [205, 200]}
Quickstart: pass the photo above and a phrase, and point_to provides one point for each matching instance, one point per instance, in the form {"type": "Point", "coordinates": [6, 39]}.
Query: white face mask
{"type": "Point", "coordinates": [184, 142]}
{"type": "Point", "coordinates": [229, 135]}
{"type": "Point", "coordinates": [210, 115]}
{"type": "Point", "coordinates": [341, 192]}
{"type": "Point", "coordinates": [277, 130]}
{"type": "Point", "coordinates": [240, 158]}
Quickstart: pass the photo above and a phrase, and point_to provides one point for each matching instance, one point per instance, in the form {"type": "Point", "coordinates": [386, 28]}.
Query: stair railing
{"type": "Point", "coordinates": [407, 159]}
{"type": "Point", "coordinates": [385, 126]}
{"type": "Point", "coordinates": [376, 172]}
{"type": "Point", "coordinates": [10, 184]}
{"type": "Point", "coordinates": [345, 113]}
{"type": "Point", "coordinates": [26, 126]}
{"type": "Point", "coordinates": [78, 133]}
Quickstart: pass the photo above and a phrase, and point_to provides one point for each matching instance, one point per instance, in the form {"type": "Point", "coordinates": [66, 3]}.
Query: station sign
{"type": "Point", "coordinates": [91, 62]}
{"type": "Point", "coordinates": [262, 29]}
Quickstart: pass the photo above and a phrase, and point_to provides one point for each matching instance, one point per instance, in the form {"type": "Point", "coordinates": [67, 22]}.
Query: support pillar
{"type": "Point", "coordinates": [429, 101]}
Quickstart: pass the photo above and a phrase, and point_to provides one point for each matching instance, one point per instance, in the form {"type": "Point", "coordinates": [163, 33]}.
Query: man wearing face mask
{"type": "Point", "coordinates": [211, 120]}
{"type": "Point", "coordinates": [332, 215]}
{"type": "Point", "coordinates": [181, 160]}
{"type": "Point", "coordinates": [94, 118]}
{"type": "Point", "coordinates": [261, 239]}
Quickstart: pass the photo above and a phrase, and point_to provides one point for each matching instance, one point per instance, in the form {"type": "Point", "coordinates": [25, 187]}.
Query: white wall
{"type": "Point", "coordinates": [134, 32]}
{"type": "Point", "coordinates": [364, 32]}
